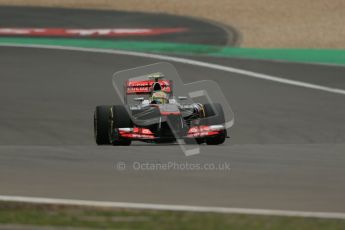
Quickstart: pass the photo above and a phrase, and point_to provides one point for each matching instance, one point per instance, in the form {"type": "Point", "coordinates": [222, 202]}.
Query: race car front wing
{"type": "Point", "coordinates": [138, 133]}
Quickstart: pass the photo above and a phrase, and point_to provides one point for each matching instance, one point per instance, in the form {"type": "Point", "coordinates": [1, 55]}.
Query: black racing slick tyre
{"type": "Point", "coordinates": [214, 115]}
{"type": "Point", "coordinates": [101, 125]}
{"type": "Point", "coordinates": [217, 139]}
{"type": "Point", "coordinates": [119, 118]}
{"type": "Point", "coordinates": [197, 141]}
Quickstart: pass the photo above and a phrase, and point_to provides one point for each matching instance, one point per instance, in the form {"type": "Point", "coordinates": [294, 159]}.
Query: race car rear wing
{"type": "Point", "coordinates": [146, 87]}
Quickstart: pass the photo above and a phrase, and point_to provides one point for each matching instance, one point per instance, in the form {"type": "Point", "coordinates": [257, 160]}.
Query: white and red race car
{"type": "Point", "coordinates": [155, 121]}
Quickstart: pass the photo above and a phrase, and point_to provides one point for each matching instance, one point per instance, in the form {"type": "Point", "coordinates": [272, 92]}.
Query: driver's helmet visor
{"type": "Point", "coordinates": [159, 98]}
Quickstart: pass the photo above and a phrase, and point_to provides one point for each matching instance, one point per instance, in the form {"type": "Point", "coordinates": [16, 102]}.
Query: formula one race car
{"type": "Point", "coordinates": [157, 117]}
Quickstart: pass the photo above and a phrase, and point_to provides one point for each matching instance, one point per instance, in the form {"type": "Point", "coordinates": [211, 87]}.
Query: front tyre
{"type": "Point", "coordinates": [197, 141]}
{"type": "Point", "coordinates": [217, 139]}
{"type": "Point", "coordinates": [101, 125]}
{"type": "Point", "coordinates": [119, 118]}
{"type": "Point", "coordinates": [214, 115]}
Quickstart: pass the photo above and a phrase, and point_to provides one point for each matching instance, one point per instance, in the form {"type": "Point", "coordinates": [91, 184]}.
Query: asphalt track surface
{"type": "Point", "coordinates": [286, 151]}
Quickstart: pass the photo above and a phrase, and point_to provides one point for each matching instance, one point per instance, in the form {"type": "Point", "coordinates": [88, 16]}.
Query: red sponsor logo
{"type": "Point", "coordinates": [101, 32]}
{"type": "Point", "coordinates": [147, 83]}
{"type": "Point", "coordinates": [137, 133]}
{"type": "Point", "coordinates": [201, 131]}
{"type": "Point", "coordinates": [145, 86]}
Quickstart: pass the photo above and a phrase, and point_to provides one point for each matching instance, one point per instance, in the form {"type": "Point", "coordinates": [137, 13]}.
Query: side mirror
{"type": "Point", "coordinates": [182, 98]}
{"type": "Point", "coordinates": [138, 99]}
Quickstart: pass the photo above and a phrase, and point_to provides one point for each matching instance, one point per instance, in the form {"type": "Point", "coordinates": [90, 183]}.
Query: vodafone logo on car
{"type": "Point", "coordinates": [98, 32]}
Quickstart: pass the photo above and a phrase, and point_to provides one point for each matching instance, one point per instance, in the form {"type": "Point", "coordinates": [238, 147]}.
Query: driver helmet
{"type": "Point", "coordinates": [159, 97]}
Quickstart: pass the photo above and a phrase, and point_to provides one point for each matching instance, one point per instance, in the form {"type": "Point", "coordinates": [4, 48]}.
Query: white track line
{"type": "Point", "coordinates": [190, 62]}
{"type": "Point", "coordinates": [166, 207]}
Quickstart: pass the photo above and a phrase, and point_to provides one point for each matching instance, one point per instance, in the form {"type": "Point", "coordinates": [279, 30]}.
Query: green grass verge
{"type": "Point", "coordinates": [97, 218]}
{"type": "Point", "coordinates": [326, 56]}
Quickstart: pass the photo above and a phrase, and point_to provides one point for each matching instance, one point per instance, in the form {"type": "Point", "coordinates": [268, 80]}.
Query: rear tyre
{"type": "Point", "coordinates": [119, 118]}
{"type": "Point", "coordinates": [214, 115]}
{"type": "Point", "coordinates": [101, 125]}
